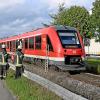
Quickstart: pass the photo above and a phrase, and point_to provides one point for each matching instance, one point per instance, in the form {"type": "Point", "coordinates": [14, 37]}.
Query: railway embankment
{"type": "Point", "coordinates": [89, 91]}
{"type": "Point", "coordinates": [78, 83]}
{"type": "Point", "coordinates": [57, 89]}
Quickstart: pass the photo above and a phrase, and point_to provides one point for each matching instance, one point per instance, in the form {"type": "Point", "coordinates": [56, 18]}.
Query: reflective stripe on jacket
{"type": "Point", "coordinates": [3, 58]}
{"type": "Point", "coordinates": [18, 59]}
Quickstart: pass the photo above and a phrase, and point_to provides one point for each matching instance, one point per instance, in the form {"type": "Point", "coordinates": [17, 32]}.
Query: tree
{"type": "Point", "coordinates": [56, 20]}
{"type": "Point", "coordinates": [75, 16]}
{"type": "Point", "coordinates": [96, 17]}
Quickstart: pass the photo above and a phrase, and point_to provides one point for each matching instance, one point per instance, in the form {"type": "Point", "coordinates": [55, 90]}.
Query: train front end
{"type": "Point", "coordinates": [72, 48]}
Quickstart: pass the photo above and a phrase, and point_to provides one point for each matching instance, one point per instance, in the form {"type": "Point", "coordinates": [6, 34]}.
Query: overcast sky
{"type": "Point", "coordinates": [18, 16]}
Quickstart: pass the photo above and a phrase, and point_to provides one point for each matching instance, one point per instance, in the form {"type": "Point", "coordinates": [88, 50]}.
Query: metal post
{"type": "Point", "coordinates": [47, 58]}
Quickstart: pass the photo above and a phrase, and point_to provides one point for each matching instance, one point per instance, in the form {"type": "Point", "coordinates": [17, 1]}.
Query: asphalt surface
{"type": "Point", "coordinates": [5, 94]}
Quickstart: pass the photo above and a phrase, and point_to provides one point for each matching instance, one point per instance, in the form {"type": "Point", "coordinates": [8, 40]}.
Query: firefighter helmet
{"type": "Point", "coordinates": [19, 47]}
{"type": "Point", "coordinates": [3, 46]}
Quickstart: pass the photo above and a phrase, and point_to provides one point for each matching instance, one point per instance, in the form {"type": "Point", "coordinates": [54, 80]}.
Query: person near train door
{"type": "Point", "coordinates": [18, 62]}
{"type": "Point", "coordinates": [4, 56]}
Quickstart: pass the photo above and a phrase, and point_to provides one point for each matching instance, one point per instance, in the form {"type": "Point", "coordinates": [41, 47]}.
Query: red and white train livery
{"type": "Point", "coordinates": [61, 46]}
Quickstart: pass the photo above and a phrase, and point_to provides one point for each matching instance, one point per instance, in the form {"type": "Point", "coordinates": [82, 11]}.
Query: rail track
{"type": "Point", "coordinates": [88, 78]}
{"type": "Point", "coordinates": [52, 73]}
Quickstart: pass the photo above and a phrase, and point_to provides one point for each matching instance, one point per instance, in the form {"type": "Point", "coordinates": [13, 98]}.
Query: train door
{"type": "Point", "coordinates": [44, 42]}
{"type": "Point", "coordinates": [47, 50]}
{"type": "Point", "coordinates": [49, 44]}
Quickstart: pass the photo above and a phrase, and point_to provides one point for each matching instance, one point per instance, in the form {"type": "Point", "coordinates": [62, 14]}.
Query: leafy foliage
{"type": "Point", "coordinates": [96, 14]}
{"type": "Point", "coordinates": [75, 16]}
{"type": "Point", "coordinates": [96, 17]}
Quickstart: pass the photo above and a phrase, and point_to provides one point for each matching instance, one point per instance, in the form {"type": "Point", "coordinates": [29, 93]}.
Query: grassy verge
{"type": "Point", "coordinates": [93, 65]}
{"type": "Point", "coordinates": [25, 89]}
{"type": "Point", "coordinates": [93, 61]}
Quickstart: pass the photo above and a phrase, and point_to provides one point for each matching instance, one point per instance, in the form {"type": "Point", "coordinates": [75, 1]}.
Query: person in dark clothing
{"type": "Point", "coordinates": [4, 56]}
{"type": "Point", "coordinates": [18, 62]}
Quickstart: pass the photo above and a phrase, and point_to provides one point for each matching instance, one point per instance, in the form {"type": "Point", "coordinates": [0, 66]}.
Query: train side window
{"type": "Point", "coordinates": [8, 45]}
{"type": "Point", "coordinates": [17, 43]}
{"type": "Point", "coordinates": [31, 43]}
{"type": "Point", "coordinates": [13, 45]}
{"type": "Point", "coordinates": [23, 43]}
{"type": "Point", "coordinates": [49, 43]}
{"type": "Point", "coordinates": [26, 43]}
{"type": "Point", "coordinates": [0, 45]}
{"type": "Point", "coordinates": [3, 43]}
{"type": "Point", "coordinates": [38, 42]}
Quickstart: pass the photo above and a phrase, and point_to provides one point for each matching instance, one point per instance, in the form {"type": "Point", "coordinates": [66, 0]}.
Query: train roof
{"type": "Point", "coordinates": [37, 31]}
{"type": "Point", "coordinates": [62, 27]}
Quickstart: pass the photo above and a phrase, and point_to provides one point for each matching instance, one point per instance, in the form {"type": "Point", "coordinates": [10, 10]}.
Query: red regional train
{"type": "Point", "coordinates": [60, 46]}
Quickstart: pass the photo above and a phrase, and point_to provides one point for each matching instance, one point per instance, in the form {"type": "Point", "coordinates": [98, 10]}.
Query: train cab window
{"type": "Point", "coordinates": [31, 43]}
{"type": "Point", "coordinates": [38, 42]}
{"type": "Point", "coordinates": [69, 38]}
{"type": "Point", "coordinates": [26, 43]}
{"type": "Point", "coordinates": [49, 44]}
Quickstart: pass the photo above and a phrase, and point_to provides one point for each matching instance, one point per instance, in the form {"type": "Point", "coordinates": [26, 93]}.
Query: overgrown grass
{"type": "Point", "coordinates": [25, 89]}
{"type": "Point", "coordinates": [93, 61]}
{"type": "Point", "coordinates": [93, 65]}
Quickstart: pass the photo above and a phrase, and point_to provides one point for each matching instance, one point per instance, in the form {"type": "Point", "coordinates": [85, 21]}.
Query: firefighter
{"type": "Point", "coordinates": [3, 62]}
{"type": "Point", "coordinates": [18, 62]}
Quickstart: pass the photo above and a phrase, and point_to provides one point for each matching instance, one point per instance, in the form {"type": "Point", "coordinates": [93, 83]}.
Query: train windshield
{"type": "Point", "coordinates": [68, 38]}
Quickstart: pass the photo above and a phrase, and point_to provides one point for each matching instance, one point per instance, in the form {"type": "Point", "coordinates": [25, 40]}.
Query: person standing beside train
{"type": "Point", "coordinates": [18, 62]}
{"type": "Point", "coordinates": [4, 56]}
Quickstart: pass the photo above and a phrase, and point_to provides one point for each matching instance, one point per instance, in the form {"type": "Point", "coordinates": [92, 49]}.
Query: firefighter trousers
{"type": "Point", "coordinates": [3, 71]}
{"type": "Point", "coordinates": [18, 72]}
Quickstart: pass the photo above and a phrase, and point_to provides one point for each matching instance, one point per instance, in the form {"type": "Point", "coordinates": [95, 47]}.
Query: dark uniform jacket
{"type": "Point", "coordinates": [18, 59]}
{"type": "Point", "coordinates": [4, 58]}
